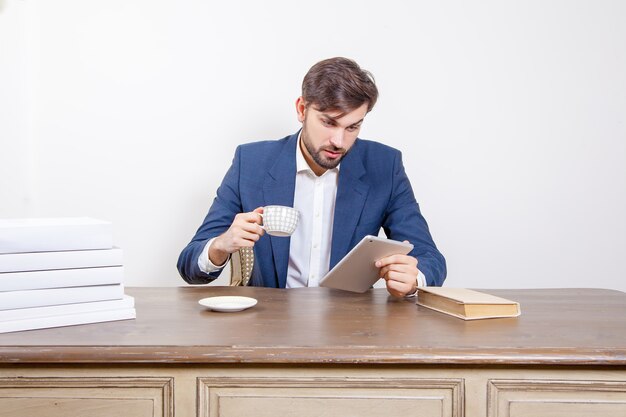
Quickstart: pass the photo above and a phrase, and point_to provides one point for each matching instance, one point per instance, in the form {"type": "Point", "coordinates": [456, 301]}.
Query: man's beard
{"type": "Point", "coordinates": [318, 156]}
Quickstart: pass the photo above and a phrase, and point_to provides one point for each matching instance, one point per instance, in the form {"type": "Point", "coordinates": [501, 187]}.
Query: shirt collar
{"type": "Point", "coordinates": [302, 165]}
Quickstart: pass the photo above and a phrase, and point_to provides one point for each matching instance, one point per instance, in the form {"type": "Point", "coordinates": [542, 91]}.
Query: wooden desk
{"type": "Point", "coordinates": [306, 352]}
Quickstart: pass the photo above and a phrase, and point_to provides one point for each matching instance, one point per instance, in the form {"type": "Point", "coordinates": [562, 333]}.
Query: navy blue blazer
{"type": "Point", "coordinates": [373, 192]}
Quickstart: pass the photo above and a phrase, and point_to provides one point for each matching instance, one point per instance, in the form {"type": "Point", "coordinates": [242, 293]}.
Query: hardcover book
{"type": "Point", "coordinates": [41, 261]}
{"type": "Point", "coordinates": [54, 234]}
{"type": "Point", "coordinates": [66, 309]}
{"type": "Point", "coordinates": [67, 320]}
{"type": "Point", "coordinates": [61, 278]}
{"type": "Point", "coordinates": [466, 304]}
{"type": "Point", "coordinates": [57, 296]}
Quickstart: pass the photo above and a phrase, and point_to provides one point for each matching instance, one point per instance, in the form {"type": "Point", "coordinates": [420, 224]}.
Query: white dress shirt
{"type": "Point", "coordinates": [309, 249]}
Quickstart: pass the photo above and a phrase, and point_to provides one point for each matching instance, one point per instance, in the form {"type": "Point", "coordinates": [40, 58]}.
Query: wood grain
{"type": "Point", "coordinates": [319, 325]}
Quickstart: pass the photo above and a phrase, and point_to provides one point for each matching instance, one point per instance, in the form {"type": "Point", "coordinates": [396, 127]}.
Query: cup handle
{"type": "Point", "coordinates": [262, 222]}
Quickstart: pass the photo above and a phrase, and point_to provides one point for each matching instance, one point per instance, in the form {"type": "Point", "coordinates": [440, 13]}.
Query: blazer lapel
{"type": "Point", "coordinates": [278, 189]}
{"type": "Point", "coordinates": [351, 195]}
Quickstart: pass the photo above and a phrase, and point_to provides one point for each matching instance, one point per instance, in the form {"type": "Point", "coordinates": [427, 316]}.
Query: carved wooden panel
{"type": "Point", "coordinates": [86, 397]}
{"type": "Point", "coordinates": [331, 396]}
{"type": "Point", "coordinates": [556, 398]}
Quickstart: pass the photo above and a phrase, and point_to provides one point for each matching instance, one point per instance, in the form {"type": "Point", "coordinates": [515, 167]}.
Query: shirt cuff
{"type": "Point", "coordinates": [205, 264]}
{"type": "Point", "coordinates": [421, 279]}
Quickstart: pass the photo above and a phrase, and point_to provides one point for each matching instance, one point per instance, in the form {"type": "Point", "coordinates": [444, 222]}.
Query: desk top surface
{"type": "Point", "coordinates": [320, 325]}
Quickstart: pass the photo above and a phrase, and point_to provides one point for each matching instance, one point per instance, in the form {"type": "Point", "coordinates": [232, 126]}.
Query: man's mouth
{"type": "Point", "coordinates": [333, 154]}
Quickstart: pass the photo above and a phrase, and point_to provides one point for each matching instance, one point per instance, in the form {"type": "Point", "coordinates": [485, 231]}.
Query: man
{"type": "Point", "coordinates": [344, 188]}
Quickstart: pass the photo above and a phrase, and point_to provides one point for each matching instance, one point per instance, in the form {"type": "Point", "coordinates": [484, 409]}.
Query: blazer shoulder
{"type": "Point", "coordinates": [264, 145]}
{"type": "Point", "coordinates": [377, 155]}
{"type": "Point", "coordinates": [262, 153]}
{"type": "Point", "coordinates": [263, 148]}
{"type": "Point", "coordinates": [371, 147]}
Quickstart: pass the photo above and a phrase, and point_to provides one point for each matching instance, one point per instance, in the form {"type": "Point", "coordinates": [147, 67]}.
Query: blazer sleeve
{"type": "Point", "coordinates": [226, 205]}
{"type": "Point", "coordinates": [404, 221]}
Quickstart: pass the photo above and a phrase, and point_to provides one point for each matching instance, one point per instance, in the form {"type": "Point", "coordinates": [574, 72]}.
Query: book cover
{"type": "Point", "coordinates": [54, 234]}
{"type": "Point", "coordinates": [466, 304]}
{"type": "Point", "coordinates": [79, 308]}
{"type": "Point", "coordinates": [41, 261]}
{"type": "Point", "coordinates": [67, 320]}
{"type": "Point", "coordinates": [58, 296]}
{"type": "Point", "coordinates": [61, 278]}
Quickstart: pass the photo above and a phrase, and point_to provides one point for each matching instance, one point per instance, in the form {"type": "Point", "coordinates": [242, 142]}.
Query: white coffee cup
{"type": "Point", "coordinates": [280, 220]}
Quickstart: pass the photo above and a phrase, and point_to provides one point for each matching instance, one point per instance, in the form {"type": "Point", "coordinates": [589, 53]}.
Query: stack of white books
{"type": "Point", "coordinates": [60, 272]}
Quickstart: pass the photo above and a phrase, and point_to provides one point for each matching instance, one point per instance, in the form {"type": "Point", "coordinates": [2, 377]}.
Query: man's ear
{"type": "Point", "coordinates": [300, 108]}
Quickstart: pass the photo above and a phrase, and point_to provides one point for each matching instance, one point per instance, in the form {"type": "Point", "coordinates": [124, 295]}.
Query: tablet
{"type": "Point", "coordinates": [356, 271]}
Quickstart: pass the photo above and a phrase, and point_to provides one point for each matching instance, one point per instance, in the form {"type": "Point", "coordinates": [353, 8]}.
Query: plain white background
{"type": "Point", "coordinates": [510, 115]}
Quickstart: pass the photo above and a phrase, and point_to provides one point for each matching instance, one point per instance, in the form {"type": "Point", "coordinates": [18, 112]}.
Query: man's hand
{"type": "Point", "coordinates": [243, 232]}
{"type": "Point", "coordinates": [400, 274]}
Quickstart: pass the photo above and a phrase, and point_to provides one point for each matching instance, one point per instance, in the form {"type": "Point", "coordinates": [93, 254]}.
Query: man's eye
{"type": "Point", "coordinates": [327, 122]}
{"type": "Point", "coordinates": [352, 128]}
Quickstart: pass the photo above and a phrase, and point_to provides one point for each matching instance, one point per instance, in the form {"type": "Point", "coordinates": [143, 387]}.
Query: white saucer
{"type": "Point", "coordinates": [228, 303]}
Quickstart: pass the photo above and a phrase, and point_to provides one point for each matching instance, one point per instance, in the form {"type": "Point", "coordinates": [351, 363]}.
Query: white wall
{"type": "Point", "coordinates": [511, 117]}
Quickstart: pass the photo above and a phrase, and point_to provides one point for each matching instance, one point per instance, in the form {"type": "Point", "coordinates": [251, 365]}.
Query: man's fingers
{"type": "Point", "coordinates": [252, 234]}
{"type": "Point", "coordinates": [245, 243]}
{"type": "Point", "coordinates": [251, 217]}
{"type": "Point", "coordinates": [252, 228]}
{"type": "Point", "coordinates": [397, 289]}
{"type": "Point", "coordinates": [397, 268]}
{"type": "Point", "coordinates": [409, 269]}
{"type": "Point", "coordinates": [245, 231]}
{"type": "Point", "coordinates": [396, 259]}
{"type": "Point", "coordinates": [258, 211]}
{"type": "Point", "coordinates": [400, 277]}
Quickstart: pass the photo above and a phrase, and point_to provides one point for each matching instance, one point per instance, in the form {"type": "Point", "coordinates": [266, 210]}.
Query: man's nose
{"type": "Point", "coordinates": [337, 138]}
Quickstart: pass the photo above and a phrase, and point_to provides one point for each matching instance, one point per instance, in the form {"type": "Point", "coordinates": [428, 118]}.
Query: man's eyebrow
{"type": "Point", "coordinates": [334, 118]}
{"type": "Point", "coordinates": [339, 116]}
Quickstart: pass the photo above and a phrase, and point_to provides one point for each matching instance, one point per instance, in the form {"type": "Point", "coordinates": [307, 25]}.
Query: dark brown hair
{"type": "Point", "coordinates": [339, 84]}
